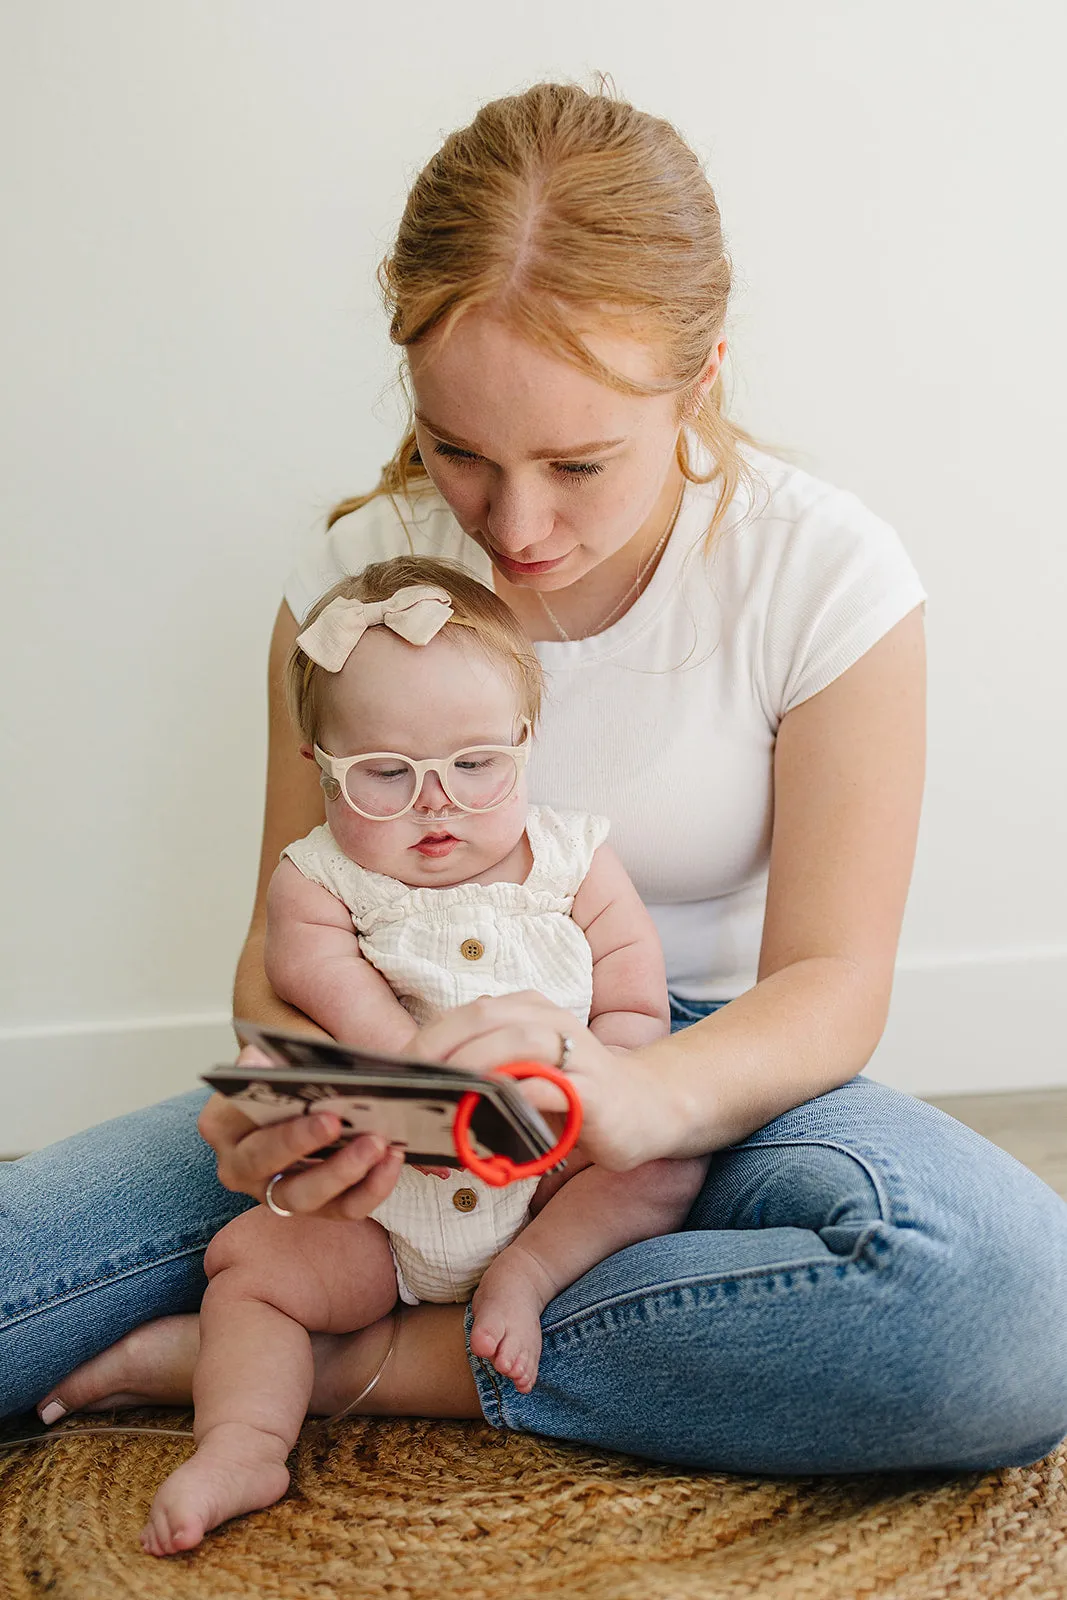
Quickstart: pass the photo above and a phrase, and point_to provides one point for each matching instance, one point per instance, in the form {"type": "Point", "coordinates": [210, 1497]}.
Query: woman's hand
{"type": "Point", "coordinates": [624, 1121]}
{"type": "Point", "coordinates": [345, 1187]}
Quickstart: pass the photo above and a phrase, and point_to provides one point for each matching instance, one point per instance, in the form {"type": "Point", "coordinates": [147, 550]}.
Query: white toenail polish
{"type": "Point", "coordinates": [52, 1412]}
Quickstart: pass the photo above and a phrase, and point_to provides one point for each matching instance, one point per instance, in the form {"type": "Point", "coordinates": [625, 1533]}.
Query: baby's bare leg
{"type": "Point", "coordinates": [273, 1281]}
{"type": "Point", "coordinates": [591, 1217]}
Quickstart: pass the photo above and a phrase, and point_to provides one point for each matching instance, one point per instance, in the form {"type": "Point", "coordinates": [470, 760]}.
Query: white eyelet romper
{"type": "Point", "coordinates": [440, 948]}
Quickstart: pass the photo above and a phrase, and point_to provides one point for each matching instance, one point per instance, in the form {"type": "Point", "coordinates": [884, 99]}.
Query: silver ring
{"type": "Point", "coordinates": [272, 1204]}
{"type": "Point", "coordinates": [565, 1047]}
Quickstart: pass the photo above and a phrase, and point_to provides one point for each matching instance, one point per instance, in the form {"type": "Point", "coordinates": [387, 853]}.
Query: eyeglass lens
{"type": "Point", "coordinates": [476, 779]}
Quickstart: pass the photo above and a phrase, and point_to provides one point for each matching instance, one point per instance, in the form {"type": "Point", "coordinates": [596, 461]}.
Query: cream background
{"type": "Point", "coordinates": [195, 366]}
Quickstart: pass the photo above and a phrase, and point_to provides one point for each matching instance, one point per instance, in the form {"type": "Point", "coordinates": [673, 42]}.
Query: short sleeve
{"type": "Point", "coordinates": [842, 580]}
{"type": "Point", "coordinates": [320, 858]}
{"type": "Point", "coordinates": [563, 844]}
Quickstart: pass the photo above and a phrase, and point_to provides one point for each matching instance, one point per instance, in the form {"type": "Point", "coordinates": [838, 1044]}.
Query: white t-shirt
{"type": "Point", "coordinates": [665, 723]}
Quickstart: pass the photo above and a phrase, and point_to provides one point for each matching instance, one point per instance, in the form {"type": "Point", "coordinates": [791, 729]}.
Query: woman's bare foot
{"type": "Point", "coordinates": [236, 1468]}
{"type": "Point", "coordinates": [153, 1365]}
{"type": "Point", "coordinates": [427, 1376]}
{"type": "Point", "coordinates": [507, 1308]}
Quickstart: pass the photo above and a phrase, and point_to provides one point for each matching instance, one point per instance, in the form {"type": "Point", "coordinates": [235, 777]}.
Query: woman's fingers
{"type": "Point", "coordinates": [363, 1172]}
{"type": "Point", "coordinates": [249, 1156]}
{"type": "Point", "coordinates": [307, 1189]}
{"type": "Point", "coordinates": [350, 1183]}
{"type": "Point", "coordinates": [222, 1124]}
{"type": "Point", "coordinates": [536, 1023]}
{"type": "Point", "coordinates": [509, 1044]}
{"type": "Point", "coordinates": [618, 1107]}
{"type": "Point", "coordinates": [376, 1187]}
{"type": "Point", "coordinates": [250, 1055]}
{"type": "Point", "coordinates": [347, 1187]}
{"type": "Point", "coordinates": [495, 1030]}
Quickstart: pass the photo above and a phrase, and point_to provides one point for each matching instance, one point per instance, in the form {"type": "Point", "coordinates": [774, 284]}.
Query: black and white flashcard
{"type": "Point", "coordinates": [410, 1103]}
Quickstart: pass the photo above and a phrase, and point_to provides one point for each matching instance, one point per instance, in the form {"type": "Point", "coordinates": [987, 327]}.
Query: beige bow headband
{"type": "Point", "coordinates": [416, 613]}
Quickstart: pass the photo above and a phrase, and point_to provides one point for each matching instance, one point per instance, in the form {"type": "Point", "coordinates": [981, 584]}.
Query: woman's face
{"type": "Point", "coordinates": [548, 470]}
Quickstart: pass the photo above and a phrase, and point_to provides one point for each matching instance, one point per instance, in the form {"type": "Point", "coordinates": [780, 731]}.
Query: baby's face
{"type": "Point", "coordinates": [421, 701]}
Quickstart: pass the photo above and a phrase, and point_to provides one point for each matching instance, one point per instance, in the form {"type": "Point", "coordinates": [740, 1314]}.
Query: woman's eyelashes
{"type": "Point", "coordinates": [566, 469]}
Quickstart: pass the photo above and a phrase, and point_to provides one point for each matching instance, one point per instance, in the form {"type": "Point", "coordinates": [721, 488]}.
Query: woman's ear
{"type": "Point", "coordinates": [699, 392]}
{"type": "Point", "coordinates": [307, 752]}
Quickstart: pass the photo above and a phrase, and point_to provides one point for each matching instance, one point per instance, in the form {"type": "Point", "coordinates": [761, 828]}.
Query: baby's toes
{"type": "Point", "coordinates": [150, 1541]}
{"type": "Point", "coordinates": [487, 1331]}
{"type": "Point", "coordinates": [157, 1536]}
{"type": "Point", "coordinates": [170, 1527]}
{"type": "Point", "coordinates": [518, 1357]}
{"type": "Point", "coordinates": [524, 1373]}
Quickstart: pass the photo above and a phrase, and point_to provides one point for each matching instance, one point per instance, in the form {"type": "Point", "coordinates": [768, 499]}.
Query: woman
{"type": "Point", "coordinates": [735, 655]}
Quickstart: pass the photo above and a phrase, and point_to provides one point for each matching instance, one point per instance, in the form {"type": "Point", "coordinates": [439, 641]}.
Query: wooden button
{"type": "Point", "coordinates": [464, 1199]}
{"type": "Point", "coordinates": [472, 949]}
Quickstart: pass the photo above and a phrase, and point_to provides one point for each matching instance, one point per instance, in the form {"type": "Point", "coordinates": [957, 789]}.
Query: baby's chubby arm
{"type": "Point", "coordinates": [313, 960]}
{"type": "Point", "coordinates": [630, 1006]}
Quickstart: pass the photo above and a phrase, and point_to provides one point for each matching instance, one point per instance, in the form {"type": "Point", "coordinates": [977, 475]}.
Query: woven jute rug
{"type": "Point", "coordinates": [439, 1511]}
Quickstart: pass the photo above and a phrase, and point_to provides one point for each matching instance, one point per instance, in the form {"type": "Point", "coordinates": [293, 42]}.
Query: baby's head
{"type": "Point", "coordinates": [446, 671]}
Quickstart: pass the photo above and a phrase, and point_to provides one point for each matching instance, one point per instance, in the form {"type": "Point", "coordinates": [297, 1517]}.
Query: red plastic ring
{"type": "Point", "coordinates": [499, 1170]}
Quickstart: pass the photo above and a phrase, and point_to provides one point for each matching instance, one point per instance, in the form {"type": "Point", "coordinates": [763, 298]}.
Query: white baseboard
{"type": "Point", "coordinates": [977, 1025]}
{"type": "Point", "coordinates": [963, 1026]}
{"type": "Point", "coordinates": [56, 1081]}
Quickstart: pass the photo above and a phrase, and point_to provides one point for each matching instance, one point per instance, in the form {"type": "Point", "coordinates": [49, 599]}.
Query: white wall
{"type": "Point", "coordinates": [195, 366]}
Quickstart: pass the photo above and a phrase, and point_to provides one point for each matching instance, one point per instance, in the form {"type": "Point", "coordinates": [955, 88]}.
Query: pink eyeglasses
{"type": "Point", "coordinates": [383, 785]}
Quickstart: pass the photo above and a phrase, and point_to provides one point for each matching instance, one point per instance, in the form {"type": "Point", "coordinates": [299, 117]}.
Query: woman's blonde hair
{"type": "Point", "coordinates": [491, 623]}
{"type": "Point", "coordinates": [560, 209]}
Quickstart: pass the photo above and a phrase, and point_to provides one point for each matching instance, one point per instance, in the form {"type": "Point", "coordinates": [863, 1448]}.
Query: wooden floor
{"type": "Point", "coordinates": [1031, 1125]}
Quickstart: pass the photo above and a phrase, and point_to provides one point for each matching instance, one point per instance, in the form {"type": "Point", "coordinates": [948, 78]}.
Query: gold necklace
{"type": "Point", "coordinates": [645, 567]}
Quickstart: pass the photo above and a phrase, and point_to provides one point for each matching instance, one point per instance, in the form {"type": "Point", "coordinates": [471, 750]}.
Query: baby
{"type": "Point", "coordinates": [432, 882]}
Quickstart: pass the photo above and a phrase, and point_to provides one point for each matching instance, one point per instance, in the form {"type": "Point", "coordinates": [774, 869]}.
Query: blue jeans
{"type": "Point", "coordinates": [864, 1284]}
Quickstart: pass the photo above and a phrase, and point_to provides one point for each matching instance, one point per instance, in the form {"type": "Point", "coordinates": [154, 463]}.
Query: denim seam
{"type": "Point", "coordinates": [765, 1270]}
{"type": "Point", "coordinates": [885, 1207]}
{"type": "Point", "coordinates": [27, 1313]}
{"type": "Point", "coordinates": [485, 1372]}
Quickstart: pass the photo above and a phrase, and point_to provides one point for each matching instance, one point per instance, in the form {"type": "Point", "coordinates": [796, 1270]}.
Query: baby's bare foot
{"type": "Point", "coordinates": [153, 1365]}
{"type": "Point", "coordinates": [507, 1324]}
{"type": "Point", "coordinates": [236, 1468]}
